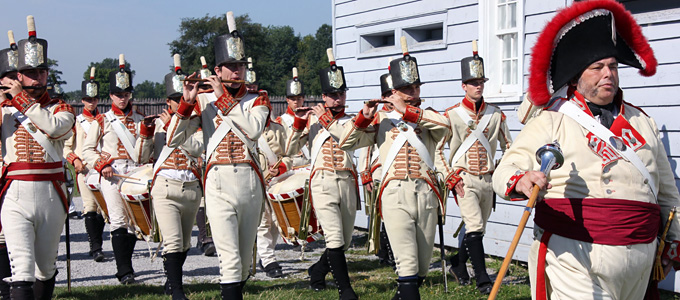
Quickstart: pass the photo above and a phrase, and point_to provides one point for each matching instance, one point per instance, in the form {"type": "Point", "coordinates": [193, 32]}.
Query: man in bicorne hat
{"type": "Point", "coordinates": [333, 182]}
{"type": "Point", "coordinates": [410, 140]}
{"type": "Point", "coordinates": [34, 128]}
{"type": "Point", "coordinates": [120, 141]}
{"type": "Point", "coordinates": [477, 129]}
{"type": "Point", "coordinates": [598, 216]}
{"type": "Point", "coordinates": [176, 188]}
{"type": "Point", "coordinates": [232, 120]}
{"type": "Point", "coordinates": [73, 152]}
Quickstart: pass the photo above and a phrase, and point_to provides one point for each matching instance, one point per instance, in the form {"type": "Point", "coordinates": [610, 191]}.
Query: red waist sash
{"type": "Point", "coordinates": [594, 220]}
{"type": "Point", "coordinates": [51, 171]}
{"type": "Point", "coordinates": [600, 221]}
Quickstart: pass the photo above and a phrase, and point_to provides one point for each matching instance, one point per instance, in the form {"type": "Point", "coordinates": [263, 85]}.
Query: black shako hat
{"type": "Point", "coordinates": [472, 67]}
{"type": "Point", "coordinates": [294, 86]}
{"type": "Point", "coordinates": [90, 88]}
{"type": "Point", "coordinates": [333, 77]}
{"type": "Point", "coordinates": [174, 80]}
{"type": "Point", "coordinates": [229, 48]}
{"type": "Point", "coordinates": [32, 51]}
{"type": "Point", "coordinates": [404, 70]}
{"type": "Point", "coordinates": [121, 80]}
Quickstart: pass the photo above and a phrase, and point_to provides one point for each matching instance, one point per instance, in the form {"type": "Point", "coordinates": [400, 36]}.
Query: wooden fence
{"type": "Point", "coordinates": [155, 106]}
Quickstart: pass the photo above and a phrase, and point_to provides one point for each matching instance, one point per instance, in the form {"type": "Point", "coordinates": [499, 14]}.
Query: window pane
{"type": "Point", "coordinates": [502, 17]}
{"type": "Point", "coordinates": [506, 72]}
{"type": "Point", "coordinates": [502, 1]}
{"type": "Point", "coordinates": [512, 7]}
{"type": "Point", "coordinates": [514, 71]}
{"type": "Point", "coordinates": [507, 45]}
{"type": "Point", "coordinates": [514, 45]}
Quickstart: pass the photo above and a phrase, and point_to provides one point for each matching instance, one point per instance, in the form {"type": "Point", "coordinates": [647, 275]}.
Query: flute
{"type": "Point", "coordinates": [309, 108]}
{"type": "Point", "coordinates": [204, 80]}
{"type": "Point", "coordinates": [2, 87]}
{"type": "Point", "coordinates": [388, 102]}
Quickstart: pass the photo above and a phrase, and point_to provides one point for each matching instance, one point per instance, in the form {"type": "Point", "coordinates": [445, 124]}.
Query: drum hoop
{"type": "Point", "coordinates": [93, 187]}
{"type": "Point", "coordinates": [136, 197]}
{"type": "Point", "coordinates": [287, 196]}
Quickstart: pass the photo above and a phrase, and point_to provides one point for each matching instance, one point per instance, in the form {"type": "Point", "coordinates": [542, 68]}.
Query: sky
{"type": "Point", "coordinates": [82, 31]}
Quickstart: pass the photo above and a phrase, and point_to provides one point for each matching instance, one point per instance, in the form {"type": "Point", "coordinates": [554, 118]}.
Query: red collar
{"type": "Point", "coordinates": [90, 115]}
{"type": "Point", "coordinates": [118, 112]}
{"type": "Point", "coordinates": [337, 115]}
{"type": "Point", "coordinates": [385, 108]}
{"type": "Point", "coordinates": [471, 105]}
{"type": "Point", "coordinates": [582, 103]}
{"type": "Point", "coordinates": [290, 111]}
{"type": "Point", "coordinates": [242, 91]}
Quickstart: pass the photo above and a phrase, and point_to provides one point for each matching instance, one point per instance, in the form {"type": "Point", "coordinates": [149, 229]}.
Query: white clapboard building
{"type": "Point", "coordinates": [366, 34]}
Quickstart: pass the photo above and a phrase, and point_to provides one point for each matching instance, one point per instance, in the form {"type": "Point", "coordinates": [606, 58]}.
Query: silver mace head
{"type": "Point", "coordinates": [550, 157]}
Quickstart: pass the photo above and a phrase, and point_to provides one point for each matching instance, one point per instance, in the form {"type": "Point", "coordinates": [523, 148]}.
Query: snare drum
{"type": "Point", "coordinates": [134, 189]}
{"type": "Point", "coordinates": [92, 182]}
{"type": "Point", "coordinates": [286, 196]}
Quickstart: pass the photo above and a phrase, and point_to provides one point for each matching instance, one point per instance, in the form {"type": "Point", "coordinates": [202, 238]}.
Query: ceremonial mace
{"type": "Point", "coordinates": [550, 157]}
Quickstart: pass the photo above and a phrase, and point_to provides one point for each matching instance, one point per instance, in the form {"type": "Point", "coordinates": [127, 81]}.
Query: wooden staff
{"type": "Point", "coordinates": [550, 157]}
{"type": "Point", "coordinates": [204, 80]}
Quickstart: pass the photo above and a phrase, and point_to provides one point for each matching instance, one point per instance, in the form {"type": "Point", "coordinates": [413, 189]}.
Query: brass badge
{"type": "Point", "coordinates": [91, 90]}
{"type": "Point", "coordinates": [31, 128]}
{"type": "Point", "coordinates": [122, 80]}
{"type": "Point", "coordinates": [177, 83]}
{"type": "Point", "coordinates": [335, 78]}
{"type": "Point", "coordinates": [409, 71]}
{"type": "Point", "coordinates": [33, 54]}
{"type": "Point", "coordinates": [13, 59]}
{"type": "Point", "coordinates": [205, 73]}
{"type": "Point", "coordinates": [295, 87]}
{"type": "Point", "coordinates": [388, 80]}
{"type": "Point", "coordinates": [472, 125]}
{"type": "Point", "coordinates": [235, 47]}
{"type": "Point", "coordinates": [402, 126]}
{"type": "Point", "coordinates": [251, 77]}
{"type": "Point", "coordinates": [476, 68]}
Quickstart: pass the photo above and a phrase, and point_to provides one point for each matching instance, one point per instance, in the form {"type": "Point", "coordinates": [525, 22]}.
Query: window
{"type": "Point", "coordinates": [501, 39]}
{"type": "Point", "coordinates": [423, 34]}
{"type": "Point", "coordinates": [377, 40]}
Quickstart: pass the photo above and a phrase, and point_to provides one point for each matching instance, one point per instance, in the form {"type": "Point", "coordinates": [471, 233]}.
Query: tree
{"type": "Point", "coordinates": [149, 89]}
{"type": "Point", "coordinates": [101, 75]}
{"type": "Point", "coordinates": [313, 58]}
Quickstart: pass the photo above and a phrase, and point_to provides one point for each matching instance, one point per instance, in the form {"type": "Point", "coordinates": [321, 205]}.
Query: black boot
{"type": "Point", "coordinates": [476, 251]}
{"type": "Point", "coordinates": [94, 235]}
{"type": "Point", "coordinates": [407, 289]}
{"type": "Point", "coordinates": [123, 247]}
{"type": "Point", "coordinates": [317, 272]}
{"type": "Point", "coordinates": [5, 271]}
{"type": "Point", "coordinates": [43, 290]}
{"type": "Point", "coordinates": [172, 262]}
{"type": "Point", "coordinates": [231, 291]}
{"type": "Point", "coordinates": [458, 265]}
{"type": "Point", "coordinates": [22, 290]}
{"type": "Point", "coordinates": [273, 270]}
{"type": "Point", "coordinates": [203, 242]}
{"type": "Point", "coordinates": [385, 253]}
{"type": "Point", "coordinates": [338, 264]}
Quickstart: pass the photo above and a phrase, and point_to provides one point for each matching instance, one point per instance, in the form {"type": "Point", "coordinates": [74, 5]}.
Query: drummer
{"type": "Point", "coordinates": [176, 189]}
{"type": "Point", "coordinates": [73, 152]}
{"type": "Point", "coordinates": [295, 98]}
{"type": "Point", "coordinates": [121, 152]}
{"type": "Point", "coordinates": [333, 183]}
{"type": "Point", "coordinates": [232, 121]}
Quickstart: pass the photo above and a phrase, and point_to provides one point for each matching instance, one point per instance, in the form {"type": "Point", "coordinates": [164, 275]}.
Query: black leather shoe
{"type": "Point", "coordinates": [485, 288]}
{"type": "Point", "coordinates": [209, 249]}
{"type": "Point", "coordinates": [98, 256]}
{"type": "Point", "coordinates": [273, 270]}
{"type": "Point", "coordinates": [127, 279]}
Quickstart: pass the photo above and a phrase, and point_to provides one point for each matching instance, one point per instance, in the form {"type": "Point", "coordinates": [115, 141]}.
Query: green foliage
{"type": "Point", "coordinates": [148, 89]}
{"type": "Point", "coordinates": [101, 75]}
{"type": "Point", "coordinates": [54, 75]}
{"type": "Point", "coordinates": [275, 50]}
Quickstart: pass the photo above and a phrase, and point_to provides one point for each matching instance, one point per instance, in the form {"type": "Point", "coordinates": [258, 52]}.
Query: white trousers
{"type": "Point", "coordinates": [89, 202]}
{"type": "Point", "coordinates": [111, 193]}
{"type": "Point", "coordinates": [233, 199]}
{"type": "Point", "coordinates": [33, 218]}
{"type": "Point", "coordinates": [267, 236]}
{"type": "Point", "coordinates": [475, 206]}
{"type": "Point", "coordinates": [335, 204]}
{"type": "Point", "coordinates": [175, 204]}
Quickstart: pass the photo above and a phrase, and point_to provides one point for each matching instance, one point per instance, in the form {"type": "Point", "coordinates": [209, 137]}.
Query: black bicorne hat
{"type": "Point", "coordinates": [333, 77]}
{"type": "Point", "coordinates": [32, 51]}
{"type": "Point", "coordinates": [121, 80]}
{"type": "Point", "coordinates": [294, 86]}
{"type": "Point", "coordinates": [174, 80]}
{"type": "Point", "coordinates": [404, 71]}
{"type": "Point", "coordinates": [90, 88]}
{"type": "Point", "coordinates": [472, 67]}
{"type": "Point", "coordinates": [229, 48]}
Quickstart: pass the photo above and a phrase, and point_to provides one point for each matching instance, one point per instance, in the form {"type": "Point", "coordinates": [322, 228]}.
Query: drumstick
{"type": "Point", "coordinates": [126, 177]}
{"type": "Point", "coordinates": [276, 165]}
{"type": "Point", "coordinates": [204, 80]}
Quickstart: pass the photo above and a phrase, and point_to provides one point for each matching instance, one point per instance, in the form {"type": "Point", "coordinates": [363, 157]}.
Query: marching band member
{"type": "Point", "coordinates": [369, 164]}
{"type": "Point", "coordinates": [73, 151]}
{"type": "Point", "coordinates": [34, 128]}
{"type": "Point", "coordinates": [295, 98]}
{"type": "Point", "coordinates": [477, 128]}
{"type": "Point", "coordinates": [333, 184]}
{"type": "Point", "coordinates": [204, 241]}
{"type": "Point", "coordinates": [410, 140]}
{"type": "Point", "coordinates": [232, 120]}
{"type": "Point", "coordinates": [118, 142]}
{"type": "Point", "coordinates": [176, 188]}
{"type": "Point", "coordinates": [596, 225]}
{"type": "Point", "coordinates": [8, 73]}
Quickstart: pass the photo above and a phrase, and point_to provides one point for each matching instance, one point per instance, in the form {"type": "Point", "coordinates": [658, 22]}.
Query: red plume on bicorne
{"type": "Point", "coordinates": [542, 52]}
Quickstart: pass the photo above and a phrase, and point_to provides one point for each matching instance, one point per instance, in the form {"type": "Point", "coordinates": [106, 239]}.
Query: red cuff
{"type": "Point", "coordinates": [184, 109]}
{"type": "Point", "coordinates": [670, 251]}
{"type": "Point", "coordinates": [146, 131]}
{"type": "Point", "coordinates": [71, 157]}
{"type": "Point", "coordinates": [366, 177]}
{"type": "Point", "coordinates": [263, 99]}
{"type": "Point", "coordinates": [512, 183]}
{"type": "Point", "coordinates": [412, 114]}
{"type": "Point", "coordinates": [165, 127]}
{"type": "Point", "coordinates": [282, 168]}
{"type": "Point", "coordinates": [452, 180]}
{"type": "Point", "coordinates": [361, 121]}
{"type": "Point", "coordinates": [102, 162]}
{"type": "Point", "coordinates": [299, 124]}
{"type": "Point", "coordinates": [225, 103]}
{"type": "Point", "coordinates": [326, 119]}
{"type": "Point", "coordinates": [21, 102]}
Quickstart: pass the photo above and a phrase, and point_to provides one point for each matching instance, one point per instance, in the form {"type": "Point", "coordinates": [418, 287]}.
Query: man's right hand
{"type": "Point", "coordinates": [370, 107]}
{"type": "Point", "coordinates": [459, 188]}
{"type": "Point", "coordinates": [107, 172]}
{"type": "Point", "coordinates": [78, 165]}
{"type": "Point", "coordinates": [531, 178]}
{"type": "Point", "coordinates": [190, 89]}
{"type": "Point", "coordinates": [369, 187]}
